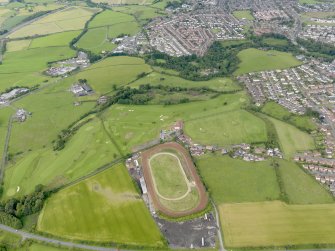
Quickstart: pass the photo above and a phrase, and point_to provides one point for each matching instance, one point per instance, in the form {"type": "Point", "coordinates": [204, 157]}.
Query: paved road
{"type": "Point", "coordinates": [219, 228]}
{"type": "Point", "coordinates": [52, 241]}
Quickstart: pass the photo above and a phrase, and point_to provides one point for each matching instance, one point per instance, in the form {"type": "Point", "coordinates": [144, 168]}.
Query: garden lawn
{"type": "Point", "coordinates": [227, 128]}
{"type": "Point", "coordinates": [232, 180]}
{"type": "Point", "coordinates": [277, 224]}
{"type": "Point", "coordinates": [104, 208]}
{"type": "Point", "coordinates": [253, 60]}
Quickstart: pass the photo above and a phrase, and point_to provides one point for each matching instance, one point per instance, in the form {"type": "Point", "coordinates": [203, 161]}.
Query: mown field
{"type": "Point", "coordinates": [232, 180]}
{"type": "Point", "coordinates": [89, 149]}
{"type": "Point", "coordinates": [292, 139]}
{"type": "Point", "coordinates": [228, 128]}
{"type": "Point", "coordinates": [253, 60]}
{"type": "Point", "coordinates": [72, 18]}
{"type": "Point", "coordinates": [132, 125]}
{"type": "Point", "coordinates": [5, 114]}
{"type": "Point", "coordinates": [104, 208]}
{"type": "Point", "coordinates": [168, 175]}
{"type": "Point", "coordinates": [245, 14]}
{"type": "Point", "coordinates": [277, 224]}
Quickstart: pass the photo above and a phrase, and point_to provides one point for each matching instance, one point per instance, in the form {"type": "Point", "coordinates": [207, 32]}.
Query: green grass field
{"type": "Point", "coordinates": [89, 149]}
{"type": "Point", "coordinates": [18, 45]}
{"type": "Point", "coordinates": [245, 14]}
{"type": "Point", "coordinates": [292, 139]}
{"type": "Point", "coordinates": [17, 69]}
{"type": "Point", "coordinates": [4, 118]}
{"type": "Point", "coordinates": [109, 17]}
{"type": "Point", "coordinates": [126, 2]}
{"type": "Point", "coordinates": [168, 175]}
{"type": "Point", "coordinates": [116, 71]}
{"type": "Point", "coordinates": [104, 208]}
{"type": "Point", "coordinates": [253, 60]}
{"type": "Point", "coordinates": [58, 39]}
{"type": "Point", "coordinates": [228, 128]}
{"type": "Point", "coordinates": [133, 125]}
{"type": "Point", "coordinates": [157, 78]}
{"type": "Point", "coordinates": [96, 40]}
{"type": "Point", "coordinates": [277, 224]}
{"type": "Point", "coordinates": [232, 181]}
{"type": "Point", "coordinates": [300, 187]}
{"type": "Point", "coordinates": [275, 41]}
{"type": "Point", "coordinates": [277, 111]}
{"type": "Point", "coordinates": [72, 18]}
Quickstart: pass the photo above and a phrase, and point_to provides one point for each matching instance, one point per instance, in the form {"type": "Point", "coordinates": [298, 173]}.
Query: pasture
{"type": "Point", "coordinates": [275, 41]}
{"type": "Point", "coordinates": [156, 78]}
{"type": "Point", "coordinates": [277, 224]}
{"type": "Point", "coordinates": [58, 39]}
{"type": "Point", "coordinates": [17, 69]}
{"type": "Point", "coordinates": [300, 187]}
{"type": "Point", "coordinates": [69, 19]}
{"type": "Point", "coordinates": [118, 71]}
{"type": "Point", "coordinates": [253, 60]}
{"type": "Point", "coordinates": [5, 114]}
{"type": "Point", "coordinates": [96, 40]}
{"type": "Point", "coordinates": [291, 139]}
{"type": "Point", "coordinates": [18, 45]}
{"type": "Point", "coordinates": [243, 14]}
{"type": "Point", "coordinates": [123, 2]}
{"type": "Point", "coordinates": [132, 125]}
{"type": "Point", "coordinates": [103, 208]}
{"type": "Point", "coordinates": [109, 17]}
{"type": "Point", "coordinates": [279, 112]}
{"type": "Point", "coordinates": [228, 128]}
{"type": "Point", "coordinates": [233, 181]}
{"type": "Point", "coordinates": [89, 149]}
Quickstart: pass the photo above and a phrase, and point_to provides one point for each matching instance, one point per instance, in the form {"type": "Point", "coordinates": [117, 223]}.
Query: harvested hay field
{"type": "Point", "coordinates": [172, 181]}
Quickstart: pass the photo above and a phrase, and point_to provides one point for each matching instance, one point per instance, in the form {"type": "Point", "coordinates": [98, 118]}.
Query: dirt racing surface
{"type": "Point", "coordinates": [191, 170]}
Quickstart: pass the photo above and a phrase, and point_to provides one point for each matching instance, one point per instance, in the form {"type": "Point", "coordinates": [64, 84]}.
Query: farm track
{"type": "Point", "coordinates": [203, 199]}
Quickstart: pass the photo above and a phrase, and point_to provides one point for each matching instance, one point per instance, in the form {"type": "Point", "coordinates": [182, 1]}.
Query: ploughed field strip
{"type": "Point", "coordinates": [173, 183]}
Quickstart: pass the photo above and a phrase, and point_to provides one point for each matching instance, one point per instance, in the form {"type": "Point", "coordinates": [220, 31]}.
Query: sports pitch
{"type": "Point", "coordinates": [172, 181]}
{"type": "Point", "coordinates": [277, 224]}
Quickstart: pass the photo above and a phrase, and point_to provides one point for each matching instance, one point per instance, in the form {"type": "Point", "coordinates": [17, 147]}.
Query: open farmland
{"type": "Point", "coordinates": [291, 139]}
{"type": "Point", "coordinates": [125, 2]}
{"type": "Point", "coordinates": [228, 128]}
{"type": "Point", "coordinates": [300, 187]}
{"type": "Point", "coordinates": [96, 40]}
{"type": "Point", "coordinates": [112, 71]}
{"type": "Point", "coordinates": [172, 181]}
{"type": "Point", "coordinates": [108, 18]}
{"type": "Point", "coordinates": [232, 180]}
{"type": "Point", "coordinates": [89, 149]}
{"type": "Point", "coordinates": [104, 208]}
{"type": "Point", "coordinates": [277, 224]}
{"type": "Point", "coordinates": [18, 70]}
{"type": "Point", "coordinates": [155, 78]}
{"type": "Point", "coordinates": [266, 60]}
{"type": "Point", "coordinates": [72, 18]}
{"type": "Point", "coordinates": [18, 45]}
{"type": "Point", "coordinates": [58, 39]}
{"type": "Point", "coordinates": [132, 125]}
